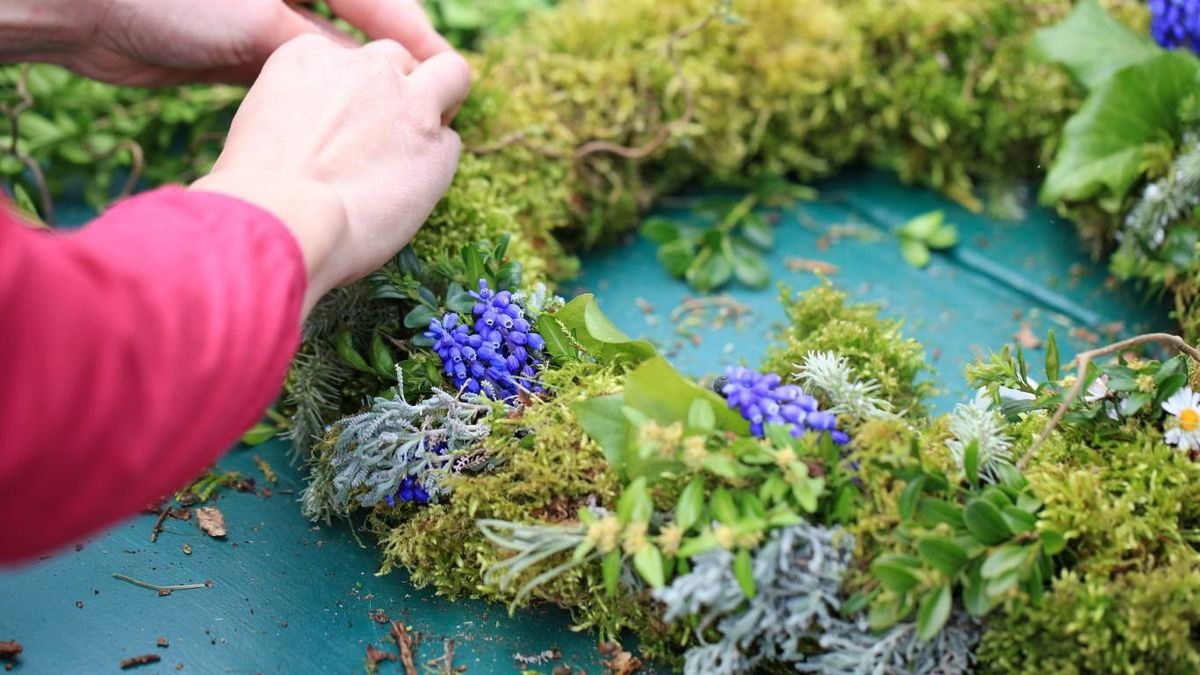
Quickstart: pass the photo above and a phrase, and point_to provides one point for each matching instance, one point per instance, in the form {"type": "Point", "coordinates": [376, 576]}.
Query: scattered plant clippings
{"type": "Point", "coordinates": [162, 590]}
{"type": "Point", "coordinates": [405, 643]}
{"type": "Point", "coordinates": [162, 642]}
{"type": "Point", "coordinates": [10, 649]}
{"type": "Point", "coordinates": [211, 521]}
{"type": "Point", "coordinates": [375, 656]}
{"type": "Point", "coordinates": [538, 659]}
{"type": "Point", "coordinates": [79, 604]}
{"type": "Point", "coordinates": [814, 266]}
{"type": "Point", "coordinates": [187, 549]}
{"type": "Point", "coordinates": [1026, 338]}
{"type": "Point", "coordinates": [379, 616]}
{"type": "Point", "coordinates": [144, 659]}
{"type": "Point", "coordinates": [619, 662]}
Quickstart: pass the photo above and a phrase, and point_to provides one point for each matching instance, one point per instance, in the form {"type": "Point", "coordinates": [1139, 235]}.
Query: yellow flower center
{"type": "Point", "coordinates": [1189, 419]}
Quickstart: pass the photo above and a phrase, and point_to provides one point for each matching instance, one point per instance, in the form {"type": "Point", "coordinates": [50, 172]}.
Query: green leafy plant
{"type": "Point", "coordinates": [926, 232]}
{"type": "Point", "coordinates": [731, 246]}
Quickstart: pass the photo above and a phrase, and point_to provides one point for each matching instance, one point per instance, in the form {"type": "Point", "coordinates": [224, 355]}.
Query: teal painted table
{"type": "Point", "coordinates": [291, 597]}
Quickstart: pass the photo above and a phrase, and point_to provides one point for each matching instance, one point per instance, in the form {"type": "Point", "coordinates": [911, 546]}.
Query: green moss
{"type": "Point", "coordinates": [546, 479]}
{"type": "Point", "coordinates": [820, 319]}
{"type": "Point", "coordinates": [1142, 622]}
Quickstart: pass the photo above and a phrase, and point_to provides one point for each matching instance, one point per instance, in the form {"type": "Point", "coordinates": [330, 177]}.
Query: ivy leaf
{"type": "Point", "coordinates": [933, 612]}
{"type": "Point", "coordinates": [648, 561]}
{"type": "Point", "coordinates": [601, 338]}
{"type": "Point", "coordinates": [1105, 144]}
{"type": "Point", "coordinates": [701, 416]}
{"type": "Point", "coordinates": [743, 571]}
{"type": "Point", "coordinates": [915, 253]}
{"type": "Point", "coordinates": [659, 391]}
{"type": "Point", "coordinates": [984, 522]}
{"type": "Point", "coordinates": [1092, 44]}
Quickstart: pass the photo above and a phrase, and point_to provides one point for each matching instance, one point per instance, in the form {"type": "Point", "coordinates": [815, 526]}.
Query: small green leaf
{"type": "Point", "coordinates": [258, 434]}
{"type": "Point", "coordinates": [933, 612]}
{"type": "Point", "coordinates": [660, 230]}
{"type": "Point", "coordinates": [1053, 542]}
{"type": "Point", "coordinates": [932, 511]}
{"type": "Point", "coordinates": [603, 420]}
{"type": "Point", "coordinates": [945, 237]}
{"type": "Point", "coordinates": [923, 226]}
{"type": "Point", "coordinates": [381, 358]}
{"type": "Point", "coordinates": [612, 572]}
{"type": "Point", "coordinates": [896, 573]}
{"type": "Point", "coordinates": [1004, 559]}
{"type": "Point", "coordinates": [721, 465]}
{"type": "Point", "coordinates": [677, 255]}
{"type": "Point", "coordinates": [344, 344]}
{"type": "Point", "coordinates": [559, 345]}
{"type": "Point", "coordinates": [635, 504]}
{"type": "Point", "coordinates": [915, 253]}
{"type": "Point", "coordinates": [943, 554]}
{"type": "Point", "coordinates": [1019, 520]}
{"type": "Point", "coordinates": [722, 507]}
{"type": "Point", "coordinates": [1052, 359]}
{"type": "Point", "coordinates": [701, 416]}
{"type": "Point", "coordinates": [910, 497]}
{"type": "Point", "coordinates": [690, 507]}
{"type": "Point", "coordinates": [648, 561]}
{"type": "Point", "coordinates": [974, 595]}
{"type": "Point", "coordinates": [743, 571]}
{"type": "Point", "coordinates": [751, 270]}
{"type": "Point", "coordinates": [985, 522]}
{"type": "Point", "coordinates": [971, 461]}
{"type": "Point", "coordinates": [885, 614]}
{"type": "Point", "coordinates": [701, 543]}
{"type": "Point", "coordinates": [758, 231]}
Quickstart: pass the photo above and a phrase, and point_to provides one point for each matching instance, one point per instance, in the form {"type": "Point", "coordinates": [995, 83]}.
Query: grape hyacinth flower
{"type": "Point", "coordinates": [494, 355]}
{"type": "Point", "coordinates": [413, 488]}
{"type": "Point", "coordinates": [1176, 23]}
{"type": "Point", "coordinates": [764, 399]}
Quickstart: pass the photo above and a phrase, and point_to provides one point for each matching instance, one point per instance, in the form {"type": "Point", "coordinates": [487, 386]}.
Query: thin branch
{"type": "Point", "coordinates": [162, 590]}
{"type": "Point", "coordinates": [1083, 359]}
{"type": "Point", "coordinates": [14, 120]}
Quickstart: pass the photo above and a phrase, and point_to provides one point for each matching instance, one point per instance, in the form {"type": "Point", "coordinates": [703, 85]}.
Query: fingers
{"type": "Point", "coordinates": [394, 53]}
{"type": "Point", "coordinates": [401, 20]}
{"type": "Point", "coordinates": [445, 79]}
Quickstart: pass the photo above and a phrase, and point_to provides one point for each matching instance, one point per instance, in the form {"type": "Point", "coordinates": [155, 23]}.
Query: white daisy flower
{"type": "Point", "coordinates": [1183, 431]}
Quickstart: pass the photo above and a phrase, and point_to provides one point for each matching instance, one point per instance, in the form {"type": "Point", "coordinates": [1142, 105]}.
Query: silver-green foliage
{"type": "Point", "coordinates": [394, 439]}
{"type": "Point", "coordinates": [851, 648]}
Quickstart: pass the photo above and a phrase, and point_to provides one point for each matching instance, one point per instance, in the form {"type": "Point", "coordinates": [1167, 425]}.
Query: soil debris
{"type": "Point", "coordinates": [162, 642]}
{"type": "Point", "coordinates": [538, 659]}
{"type": "Point", "coordinates": [808, 265]}
{"type": "Point", "coordinates": [266, 470]}
{"type": "Point", "coordinates": [135, 661]}
{"type": "Point", "coordinates": [375, 656]}
{"type": "Point", "coordinates": [1026, 338]}
{"type": "Point", "coordinates": [620, 662]}
{"type": "Point", "coordinates": [379, 616]}
{"type": "Point", "coordinates": [10, 649]}
{"type": "Point", "coordinates": [405, 643]}
{"type": "Point", "coordinates": [211, 521]}
{"type": "Point", "coordinates": [187, 549]}
{"type": "Point", "coordinates": [79, 604]}
{"type": "Point", "coordinates": [446, 660]}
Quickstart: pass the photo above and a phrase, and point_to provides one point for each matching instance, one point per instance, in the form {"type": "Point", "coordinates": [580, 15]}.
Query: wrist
{"type": "Point", "coordinates": [311, 210]}
{"type": "Point", "coordinates": [46, 30]}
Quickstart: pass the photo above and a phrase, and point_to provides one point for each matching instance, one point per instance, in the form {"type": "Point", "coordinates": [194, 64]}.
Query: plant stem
{"type": "Point", "coordinates": [160, 589]}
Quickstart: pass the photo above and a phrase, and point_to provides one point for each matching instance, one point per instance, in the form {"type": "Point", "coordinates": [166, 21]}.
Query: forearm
{"type": "Point", "coordinates": [45, 30]}
{"type": "Point", "coordinates": [139, 350]}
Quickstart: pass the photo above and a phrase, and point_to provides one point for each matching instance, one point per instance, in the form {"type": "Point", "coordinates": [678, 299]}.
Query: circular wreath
{"type": "Point", "coordinates": [809, 514]}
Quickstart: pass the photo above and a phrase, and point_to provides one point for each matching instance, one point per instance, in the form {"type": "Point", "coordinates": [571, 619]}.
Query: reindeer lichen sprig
{"type": "Point", "coordinates": [378, 450]}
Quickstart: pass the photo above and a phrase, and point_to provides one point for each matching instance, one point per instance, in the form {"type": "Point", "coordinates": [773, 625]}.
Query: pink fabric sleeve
{"type": "Point", "coordinates": [133, 353]}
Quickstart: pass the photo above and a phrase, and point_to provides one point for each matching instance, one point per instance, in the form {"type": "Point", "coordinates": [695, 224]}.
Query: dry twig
{"type": "Point", "coordinates": [405, 643]}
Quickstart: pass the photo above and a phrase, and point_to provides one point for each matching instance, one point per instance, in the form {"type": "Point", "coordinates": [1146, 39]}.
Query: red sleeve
{"type": "Point", "coordinates": [132, 354]}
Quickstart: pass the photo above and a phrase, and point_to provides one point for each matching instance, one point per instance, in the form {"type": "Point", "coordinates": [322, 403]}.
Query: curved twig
{"type": "Point", "coordinates": [13, 112]}
{"type": "Point", "coordinates": [1082, 360]}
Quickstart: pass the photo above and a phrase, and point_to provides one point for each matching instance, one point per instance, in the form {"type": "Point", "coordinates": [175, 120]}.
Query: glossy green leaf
{"type": "Point", "coordinates": [381, 358]}
{"type": "Point", "coordinates": [984, 522]}
{"type": "Point", "coordinates": [602, 419]}
{"type": "Point", "coordinates": [677, 255]}
{"type": "Point", "coordinates": [743, 571]}
{"type": "Point", "coordinates": [658, 390]}
{"type": "Point", "coordinates": [648, 562]}
{"type": "Point", "coordinates": [915, 253]}
{"type": "Point", "coordinates": [933, 612]}
{"type": "Point", "coordinates": [943, 554]}
{"type": "Point", "coordinates": [559, 345]}
{"type": "Point", "coordinates": [690, 507]}
{"type": "Point", "coordinates": [1005, 559]}
{"type": "Point", "coordinates": [344, 344]}
{"type": "Point", "coordinates": [932, 511]}
{"type": "Point", "coordinates": [598, 335]}
{"type": "Point", "coordinates": [612, 571]}
{"type": "Point", "coordinates": [660, 230]}
{"type": "Point", "coordinates": [895, 573]}
{"type": "Point", "coordinates": [722, 507]}
{"type": "Point", "coordinates": [1019, 521]}
{"type": "Point", "coordinates": [701, 416]}
{"type": "Point", "coordinates": [1053, 542]}
{"type": "Point", "coordinates": [974, 595]}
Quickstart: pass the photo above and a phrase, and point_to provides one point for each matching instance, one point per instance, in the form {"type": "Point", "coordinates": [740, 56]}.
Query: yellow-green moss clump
{"type": "Point", "coordinates": [550, 470]}
{"type": "Point", "coordinates": [819, 319]}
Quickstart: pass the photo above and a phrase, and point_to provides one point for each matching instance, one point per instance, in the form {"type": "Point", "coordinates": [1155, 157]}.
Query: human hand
{"type": "Point", "coordinates": [164, 42]}
{"type": "Point", "coordinates": [347, 146]}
